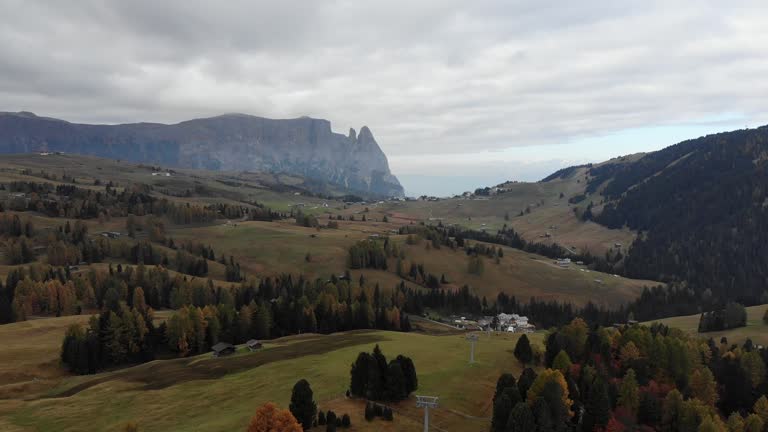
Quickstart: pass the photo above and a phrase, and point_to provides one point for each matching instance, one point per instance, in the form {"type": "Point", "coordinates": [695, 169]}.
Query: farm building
{"type": "Point", "coordinates": [253, 345]}
{"type": "Point", "coordinates": [222, 348]}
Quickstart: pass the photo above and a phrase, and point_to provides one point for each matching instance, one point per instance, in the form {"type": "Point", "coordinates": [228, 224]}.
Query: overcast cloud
{"type": "Point", "coordinates": [454, 77]}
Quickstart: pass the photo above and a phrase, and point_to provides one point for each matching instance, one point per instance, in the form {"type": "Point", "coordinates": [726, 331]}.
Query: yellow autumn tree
{"type": "Point", "coordinates": [544, 378]}
{"type": "Point", "coordinates": [761, 408]}
{"type": "Point", "coordinates": [270, 418]}
{"type": "Point", "coordinates": [703, 386]}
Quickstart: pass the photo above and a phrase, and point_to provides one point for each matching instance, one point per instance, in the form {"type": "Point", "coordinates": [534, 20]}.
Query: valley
{"type": "Point", "coordinates": [317, 278]}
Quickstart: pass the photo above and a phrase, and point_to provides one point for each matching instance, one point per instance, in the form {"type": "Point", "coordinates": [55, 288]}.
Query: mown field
{"type": "Point", "coordinates": [756, 329]}
{"type": "Point", "coordinates": [207, 394]}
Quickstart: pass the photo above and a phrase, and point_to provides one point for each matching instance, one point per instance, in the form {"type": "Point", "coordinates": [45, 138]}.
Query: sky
{"type": "Point", "coordinates": [458, 94]}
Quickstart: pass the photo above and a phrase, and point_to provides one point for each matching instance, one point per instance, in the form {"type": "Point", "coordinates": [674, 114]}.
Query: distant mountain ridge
{"type": "Point", "coordinates": [234, 142]}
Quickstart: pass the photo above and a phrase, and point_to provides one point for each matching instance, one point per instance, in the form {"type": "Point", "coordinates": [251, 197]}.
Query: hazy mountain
{"type": "Point", "coordinates": [234, 142]}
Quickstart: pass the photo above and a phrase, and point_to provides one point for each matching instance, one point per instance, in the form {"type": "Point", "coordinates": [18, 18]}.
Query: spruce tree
{"type": "Point", "coordinates": [521, 419]}
{"type": "Point", "coordinates": [502, 407]}
{"type": "Point", "coordinates": [302, 406]}
{"type": "Point", "coordinates": [597, 406]}
{"type": "Point", "coordinates": [359, 375]}
{"type": "Point", "coordinates": [504, 381]}
{"type": "Point", "coordinates": [523, 351]}
{"type": "Point", "coordinates": [527, 377]}
{"type": "Point", "coordinates": [395, 385]}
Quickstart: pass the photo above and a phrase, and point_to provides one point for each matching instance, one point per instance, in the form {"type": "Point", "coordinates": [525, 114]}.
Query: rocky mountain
{"type": "Point", "coordinates": [234, 142]}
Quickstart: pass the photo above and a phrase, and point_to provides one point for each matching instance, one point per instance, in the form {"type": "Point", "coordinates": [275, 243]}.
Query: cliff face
{"type": "Point", "coordinates": [233, 142]}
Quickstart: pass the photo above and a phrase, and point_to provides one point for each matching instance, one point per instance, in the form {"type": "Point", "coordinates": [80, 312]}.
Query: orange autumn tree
{"type": "Point", "coordinates": [270, 418]}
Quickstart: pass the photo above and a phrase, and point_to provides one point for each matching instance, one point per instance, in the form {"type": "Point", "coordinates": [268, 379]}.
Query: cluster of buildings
{"type": "Point", "coordinates": [512, 323]}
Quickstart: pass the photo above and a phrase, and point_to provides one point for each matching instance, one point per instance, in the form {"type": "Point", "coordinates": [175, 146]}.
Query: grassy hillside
{"type": "Point", "coordinates": [756, 329]}
{"type": "Point", "coordinates": [271, 248]}
{"type": "Point", "coordinates": [545, 210]}
{"type": "Point", "coordinates": [526, 275]}
{"type": "Point", "coordinates": [203, 393]}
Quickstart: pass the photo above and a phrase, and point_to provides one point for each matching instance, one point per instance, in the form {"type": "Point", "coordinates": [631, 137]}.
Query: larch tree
{"type": "Point", "coordinates": [562, 362]}
{"type": "Point", "coordinates": [703, 386]}
{"type": "Point", "coordinates": [270, 418]}
{"type": "Point", "coordinates": [628, 392]}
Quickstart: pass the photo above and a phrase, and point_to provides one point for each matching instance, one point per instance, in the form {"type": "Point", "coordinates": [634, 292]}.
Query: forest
{"type": "Point", "coordinates": [634, 378]}
{"type": "Point", "coordinates": [701, 206]}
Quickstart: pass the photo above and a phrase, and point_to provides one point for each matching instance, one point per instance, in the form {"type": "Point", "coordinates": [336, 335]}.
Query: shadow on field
{"type": "Point", "coordinates": [160, 374]}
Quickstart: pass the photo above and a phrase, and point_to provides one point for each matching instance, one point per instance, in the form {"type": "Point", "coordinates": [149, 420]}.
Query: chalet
{"type": "Point", "coordinates": [222, 348]}
{"type": "Point", "coordinates": [111, 234]}
{"type": "Point", "coordinates": [253, 345]}
{"type": "Point", "coordinates": [563, 262]}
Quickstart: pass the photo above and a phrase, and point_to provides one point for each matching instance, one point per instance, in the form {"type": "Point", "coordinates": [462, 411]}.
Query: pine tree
{"type": "Point", "coordinates": [523, 351]}
{"type": "Point", "coordinates": [502, 408]}
{"type": "Point", "coordinates": [597, 406]}
{"type": "Point", "coordinates": [330, 421]}
{"type": "Point", "coordinates": [521, 419]}
{"type": "Point", "coordinates": [505, 380]}
{"type": "Point", "coordinates": [395, 385]}
{"type": "Point", "coordinates": [409, 372]}
{"type": "Point", "coordinates": [370, 414]}
{"type": "Point", "coordinates": [302, 406]}
{"type": "Point", "coordinates": [321, 418]}
{"type": "Point", "coordinates": [359, 375]}
{"type": "Point", "coordinates": [526, 380]}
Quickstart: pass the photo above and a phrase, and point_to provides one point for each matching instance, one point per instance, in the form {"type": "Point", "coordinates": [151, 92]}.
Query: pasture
{"type": "Point", "coordinates": [756, 329]}
{"type": "Point", "coordinates": [208, 394]}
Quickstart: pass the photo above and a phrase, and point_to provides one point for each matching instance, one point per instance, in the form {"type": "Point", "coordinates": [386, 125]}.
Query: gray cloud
{"type": "Point", "coordinates": [429, 76]}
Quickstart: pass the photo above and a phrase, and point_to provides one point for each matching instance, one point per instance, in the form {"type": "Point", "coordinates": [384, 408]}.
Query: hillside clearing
{"type": "Point", "coordinates": [756, 329]}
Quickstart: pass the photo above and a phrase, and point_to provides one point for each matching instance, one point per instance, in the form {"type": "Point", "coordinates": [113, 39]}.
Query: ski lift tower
{"type": "Point", "coordinates": [426, 402]}
{"type": "Point", "coordinates": [472, 339]}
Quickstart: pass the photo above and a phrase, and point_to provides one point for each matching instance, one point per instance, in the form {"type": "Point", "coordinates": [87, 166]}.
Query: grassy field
{"type": "Point", "coordinates": [270, 248]}
{"type": "Point", "coordinates": [756, 329]}
{"type": "Point", "coordinates": [527, 275]}
{"type": "Point", "coordinates": [206, 394]}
